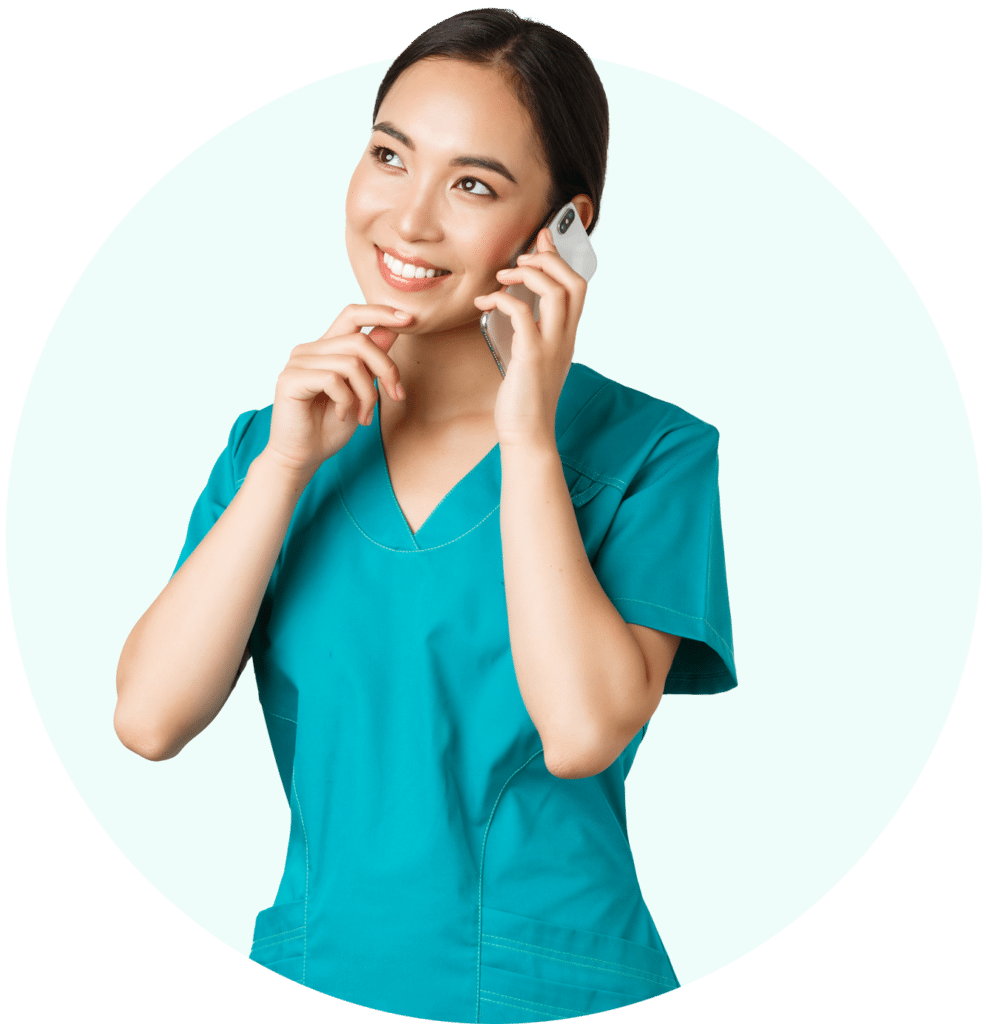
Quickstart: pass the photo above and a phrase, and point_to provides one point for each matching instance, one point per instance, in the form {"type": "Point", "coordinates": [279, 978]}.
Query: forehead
{"type": "Point", "coordinates": [458, 107]}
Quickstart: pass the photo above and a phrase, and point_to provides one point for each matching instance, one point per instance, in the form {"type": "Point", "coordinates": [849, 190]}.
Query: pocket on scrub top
{"type": "Point", "coordinates": [279, 939]}
{"type": "Point", "coordinates": [531, 970]}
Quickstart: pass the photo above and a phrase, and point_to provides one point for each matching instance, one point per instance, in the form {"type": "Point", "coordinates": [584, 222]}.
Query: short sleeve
{"type": "Point", "coordinates": [224, 481]}
{"type": "Point", "coordinates": [662, 561]}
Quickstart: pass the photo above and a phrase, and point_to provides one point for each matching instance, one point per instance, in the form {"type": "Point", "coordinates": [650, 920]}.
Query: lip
{"type": "Point", "coordinates": [408, 284]}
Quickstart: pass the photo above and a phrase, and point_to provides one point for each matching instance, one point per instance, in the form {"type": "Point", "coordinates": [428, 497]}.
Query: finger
{"type": "Point", "coordinates": [554, 297]}
{"type": "Point", "coordinates": [507, 303]}
{"type": "Point", "coordinates": [360, 381]}
{"type": "Point", "coordinates": [367, 348]}
{"type": "Point", "coordinates": [304, 385]}
{"type": "Point", "coordinates": [552, 264]}
{"type": "Point", "coordinates": [521, 315]}
{"type": "Point", "coordinates": [352, 369]}
{"type": "Point", "coordinates": [356, 316]}
{"type": "Point", "coordinates": [382, 366]}
{"type": "Point", "coordinates": [382, 337]}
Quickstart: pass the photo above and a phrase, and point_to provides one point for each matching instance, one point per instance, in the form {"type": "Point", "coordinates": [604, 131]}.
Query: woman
{"type": "Point", "coordinates": [464, 610]}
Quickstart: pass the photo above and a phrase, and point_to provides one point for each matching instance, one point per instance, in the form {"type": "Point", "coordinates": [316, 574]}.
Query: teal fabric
{"type": "Point", "coordinates": [435, 868]}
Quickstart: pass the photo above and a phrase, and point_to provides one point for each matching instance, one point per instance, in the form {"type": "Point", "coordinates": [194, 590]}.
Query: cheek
{"type": "Point", "coordinates": [362, 201]}
{"type": "Point", "coordinates": [493, 250]}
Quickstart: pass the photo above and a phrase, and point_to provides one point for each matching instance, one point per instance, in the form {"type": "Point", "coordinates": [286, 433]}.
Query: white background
{"type": "Point", "coordinates": [734, 281]}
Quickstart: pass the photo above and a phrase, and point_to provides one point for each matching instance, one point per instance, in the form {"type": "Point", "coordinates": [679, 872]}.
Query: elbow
{"type": "Point", "coordinates": [575, 764]}
{"type": "Point", "coordinates": [571, 759]}
{"type": "Point", "coordinates": [565, 767]}
{"type": "Point", "coordinates": [141, 738]}
{"type": "Point", "coordinates": [139, 726]}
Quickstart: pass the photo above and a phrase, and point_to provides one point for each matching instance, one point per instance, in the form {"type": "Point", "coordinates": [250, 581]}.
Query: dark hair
{"type": "Point", "coordinates": [554, 79]}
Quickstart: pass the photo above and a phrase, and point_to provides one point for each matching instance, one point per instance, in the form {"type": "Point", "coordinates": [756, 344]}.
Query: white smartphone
{"type": "Point", "coordinates": [574, 247]}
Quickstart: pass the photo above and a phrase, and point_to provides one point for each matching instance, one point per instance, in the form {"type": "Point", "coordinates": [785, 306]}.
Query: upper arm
{"type": "Point", "coordinates": [658, 649]}
{"type": "Point", "coordinates": [239, 671]}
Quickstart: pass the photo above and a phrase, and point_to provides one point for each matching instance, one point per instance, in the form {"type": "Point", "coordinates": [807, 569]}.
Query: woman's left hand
{"type": "Point", "coordinates": [541, 353]}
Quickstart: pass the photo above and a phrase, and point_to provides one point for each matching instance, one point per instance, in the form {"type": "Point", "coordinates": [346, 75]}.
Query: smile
{"type": "Point", "coordinates": [408, 277]}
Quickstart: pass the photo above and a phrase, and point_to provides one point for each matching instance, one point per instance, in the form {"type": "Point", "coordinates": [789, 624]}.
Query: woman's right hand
{"type": "Point", "coordinates": [326, 389]}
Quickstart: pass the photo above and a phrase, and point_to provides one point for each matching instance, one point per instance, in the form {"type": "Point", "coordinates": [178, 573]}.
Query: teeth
{"type": "Point", "coordinates": [408, 269]}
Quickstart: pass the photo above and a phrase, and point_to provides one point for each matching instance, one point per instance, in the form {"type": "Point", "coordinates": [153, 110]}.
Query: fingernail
{"type": "Point", "coordinates": [401, 314]}
{"type": "Point", "coordinates": [399, 389]}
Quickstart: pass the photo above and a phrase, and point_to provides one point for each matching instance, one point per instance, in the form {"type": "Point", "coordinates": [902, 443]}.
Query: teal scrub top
{"type": "Point", "coordinates": [435, 868]}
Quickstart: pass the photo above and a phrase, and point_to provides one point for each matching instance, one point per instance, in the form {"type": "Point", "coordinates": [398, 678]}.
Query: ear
{"type": "Point", "coordinates": [583, 204]}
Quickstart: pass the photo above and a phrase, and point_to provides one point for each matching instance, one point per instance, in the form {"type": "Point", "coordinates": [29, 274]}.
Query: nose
{"type": "Point", "coordinates": [419, 213]}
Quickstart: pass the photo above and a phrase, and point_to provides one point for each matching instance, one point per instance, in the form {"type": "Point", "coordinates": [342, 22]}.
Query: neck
{"type": "Point", "coordinates": [447, 376]}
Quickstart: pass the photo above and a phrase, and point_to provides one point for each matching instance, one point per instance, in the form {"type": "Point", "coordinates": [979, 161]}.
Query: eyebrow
{"type": "Point", "coordinates": [460, 161]}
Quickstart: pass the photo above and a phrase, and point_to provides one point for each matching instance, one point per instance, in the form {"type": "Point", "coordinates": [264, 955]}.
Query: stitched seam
{"type": "Point", "coordinates": [276, 937]}
{"type": "Point", "coordinates": [708, 553]}
{"type": "Point", "coordinates": [528, 1007]}
{"type": "Point", "coordinates": [482, 860]}
{"type": "Point", "coordinates": [304, 955]}
{"type": "Point", "coordinates": [281, 717]}
{"type": "Point", "coordinates": [592, 474]}
{"type": "Point", "coordinates": [413, 551]}
{"type": "Point", "coordinates": [684, 615]}
{"type": "Point", "coordinates": [631, 972]}
{"type": "Point", "coordinates": [581, 956]}
{"type": "Point", "coordinates": [708, 558]}
{"type": "Point", "coordinates": [448, 494]}
{"type": "Point", "coordinates": [514, 1006]}
{"type": "Point", "coordinates": [522, 1004]}
{"type": "Point", "coordinates": [393, 493]}
{"type": "Point", "coordinates": [577, 956]}
{"type": "Point", "coordinates": [390, 485]}
{"type": "Point", "coordinates": [287, 937]}
{"type": "Point", "coordinates": [589, 492]}
{"type": "Point", "coordinates": [527, 1003]}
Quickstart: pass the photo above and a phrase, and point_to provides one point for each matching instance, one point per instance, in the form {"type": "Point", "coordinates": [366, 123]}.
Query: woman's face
{"type": "Point", "coordinates": [452, 180]}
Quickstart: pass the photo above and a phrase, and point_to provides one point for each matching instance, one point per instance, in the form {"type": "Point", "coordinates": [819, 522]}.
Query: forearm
{"type": "Point", "coordinates": [182, 658]}
{"type": "Point", "coordinates": [581, 673]}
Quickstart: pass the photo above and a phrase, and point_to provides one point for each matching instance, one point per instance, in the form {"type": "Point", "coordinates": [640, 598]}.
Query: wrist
{"type": "Point", "coordinates": [532, 462]}
{"type": "Point", "coordinates": [276, 472]}
{"type": "Point", "coordinates": [531, 443]}
{"type": "Point", "coordinates": [529, 447]}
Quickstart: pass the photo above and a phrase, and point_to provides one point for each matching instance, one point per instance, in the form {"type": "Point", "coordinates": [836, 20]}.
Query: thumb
{"type": "Point", "coordinates": [382, 337]}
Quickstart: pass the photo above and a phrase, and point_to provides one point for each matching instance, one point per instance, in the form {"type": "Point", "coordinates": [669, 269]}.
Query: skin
{"type": "Point", "coordinates": [588, 679]}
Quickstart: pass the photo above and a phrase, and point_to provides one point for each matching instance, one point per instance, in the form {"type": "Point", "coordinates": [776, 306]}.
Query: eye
{"type": "Point", "coordinates": [387, 157]}
{"type": "Point", "coordinates": [475, 187]}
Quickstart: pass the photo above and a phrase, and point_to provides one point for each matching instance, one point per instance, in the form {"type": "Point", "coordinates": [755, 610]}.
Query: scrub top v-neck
{"type": "Point", "coordinates": [435, 868]}
{"type": "Point", "coordinates": [478, 492]}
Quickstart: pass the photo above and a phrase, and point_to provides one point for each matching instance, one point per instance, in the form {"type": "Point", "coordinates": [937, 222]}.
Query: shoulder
{"type": "Point", "coordinates": [609, 430]}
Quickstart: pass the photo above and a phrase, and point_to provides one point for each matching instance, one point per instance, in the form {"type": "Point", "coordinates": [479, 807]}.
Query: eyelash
{"type": "Point", "coordinates": [377, 153]}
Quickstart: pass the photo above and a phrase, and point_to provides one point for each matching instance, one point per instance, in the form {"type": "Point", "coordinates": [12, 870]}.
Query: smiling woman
{"type": "Point", "coordinates": [460, 192]}
{"type": "Point", "coordinates": [537, 557]}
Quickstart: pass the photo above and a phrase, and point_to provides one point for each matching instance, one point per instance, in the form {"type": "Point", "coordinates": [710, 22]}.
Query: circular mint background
{"type": "Point", "coordinates": [76, 861]}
